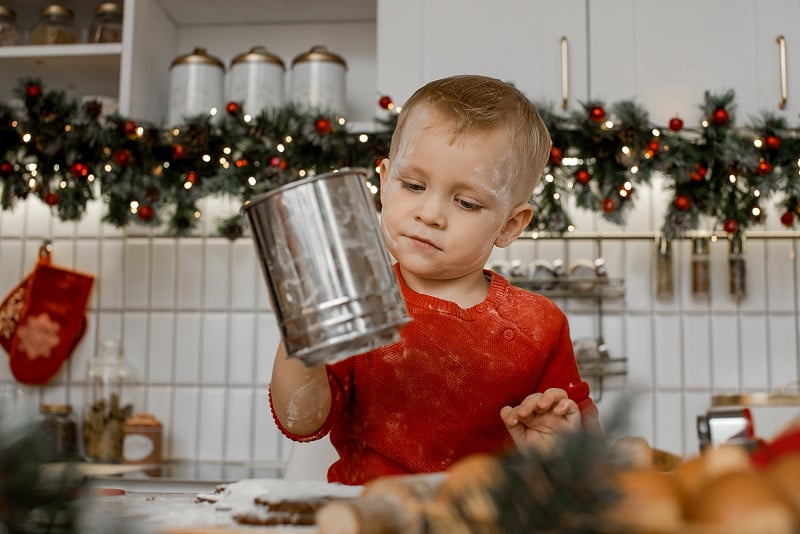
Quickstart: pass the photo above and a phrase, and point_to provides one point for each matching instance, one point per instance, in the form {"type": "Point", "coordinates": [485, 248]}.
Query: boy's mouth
{"type": "Point", "coordinates": [423, 243]}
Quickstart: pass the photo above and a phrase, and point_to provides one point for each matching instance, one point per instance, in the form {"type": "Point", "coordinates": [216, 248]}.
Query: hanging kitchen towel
{"type": "Point", "coordinates": [51, 322]}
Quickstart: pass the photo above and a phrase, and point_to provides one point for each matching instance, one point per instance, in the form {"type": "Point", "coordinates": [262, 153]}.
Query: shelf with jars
{"type": "Point", "coordinates": [134, 70]}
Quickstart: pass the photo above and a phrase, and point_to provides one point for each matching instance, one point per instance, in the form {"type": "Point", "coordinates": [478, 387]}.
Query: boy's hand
{"type": "Point", "coordinates": [541, 417]}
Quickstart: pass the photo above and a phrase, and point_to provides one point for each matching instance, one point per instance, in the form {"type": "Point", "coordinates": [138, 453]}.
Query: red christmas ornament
{"type": "Point", "coordinates": [323, 126]}
{"type": "Point", "coordinates": [730, 226]}
{"type": "Point", "coordinates": [122, 157]}
{"type": "Point", "coordinates": [787, 219]}
{"type": "Point", "coordinates": [233, 108]}
{"type": "Point", "coordinates": [608, 205]}
{"type": "Point", "coordinates": [582, 176]}
{"type": "Point", "coordinates": [719, 116]}
{"type": "Point", "coordinates": [129, 128]}
{"type": "Point", "coordinates": [79, 170]}
{"type": "Point", "coordinates": [764, 167]}
{"type": "Point", "coordinates": [145, 213]}
{"type": "Point", "coordinates": [33, 91]}
{"type": "Point", "coordinates": [51, 199]}
{"type": "Point", "coordinates": [676, 124]}
{"type": "Point", "coordinates": [597, 114]}
{"type": "Point", "coordinates": [699, 173]}
{"type": "Point", "coordinates": [556, 156]}
{"type": "Point", "coordinates": [385, 102]}
{"type": "Point", "coordinates": [6, 168]}
{"type": "Point", "coordinates": [682, 203]}
{"type": "Point", "coordinates": [772, 142]}
{"type": "Point", "coordinates": [654, 145]}
{"type": "Point", "coordinates": [178, 152]}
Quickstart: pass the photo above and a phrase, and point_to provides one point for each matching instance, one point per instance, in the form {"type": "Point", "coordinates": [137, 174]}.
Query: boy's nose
{"type": "Point", "coordinates": [431, 212]}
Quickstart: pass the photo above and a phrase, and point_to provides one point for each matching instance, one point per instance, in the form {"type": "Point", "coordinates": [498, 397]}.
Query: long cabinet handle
{"type": "Point", "coordinates": [564, 73]}
{"type": "Point", "coordinates": [784, 84]}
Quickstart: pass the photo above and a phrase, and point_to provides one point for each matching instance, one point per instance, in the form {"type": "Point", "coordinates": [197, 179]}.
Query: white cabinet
{"type": "Point", "coordinates": [518, 41]}
{"type": "Point", "coordinates": [666, 54]}
{"type": "Point", "coordinates": [136, 71]}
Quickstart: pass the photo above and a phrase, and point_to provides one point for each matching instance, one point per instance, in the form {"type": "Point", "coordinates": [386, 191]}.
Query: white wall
{"type": "Point", "coordinates": [193, 316]}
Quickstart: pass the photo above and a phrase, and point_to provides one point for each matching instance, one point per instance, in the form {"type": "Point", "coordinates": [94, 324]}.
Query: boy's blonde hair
{"type": "Point", "coordinates": [476, 103]}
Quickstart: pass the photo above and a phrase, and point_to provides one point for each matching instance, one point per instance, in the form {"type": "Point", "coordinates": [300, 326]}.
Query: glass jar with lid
{"type": "Point", "coordinates": [60, 432]}
{"type": "Point", "coordinates": [106, 408]}
{"type": "Point", "coordinates": [9, 34]}
{"type": "Point", "coordinates": [107, 24]}
{"type": "Point", "coordinates": [56, 26]}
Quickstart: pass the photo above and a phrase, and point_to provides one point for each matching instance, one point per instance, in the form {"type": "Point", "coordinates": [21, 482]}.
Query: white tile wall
{"type": "Point", "coordinates": [197, 330]}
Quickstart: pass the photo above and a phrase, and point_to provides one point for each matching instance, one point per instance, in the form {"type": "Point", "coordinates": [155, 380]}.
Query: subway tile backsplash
{"type": "Point", "coordinates": [199, 335]}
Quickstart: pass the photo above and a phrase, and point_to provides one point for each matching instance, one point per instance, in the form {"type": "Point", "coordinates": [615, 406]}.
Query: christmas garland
{"type": "Point", "coordinates": [68, 154]}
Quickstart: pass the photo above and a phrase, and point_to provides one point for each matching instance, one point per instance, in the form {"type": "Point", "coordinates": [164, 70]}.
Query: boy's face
{"type": "Point", "coordinates": [447, 200]}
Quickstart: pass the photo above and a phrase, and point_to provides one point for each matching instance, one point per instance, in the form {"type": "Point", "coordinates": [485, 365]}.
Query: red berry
{"type": "Point", "coordinates": [720, 116]}
{"type": "Point", "coordinates": [145, 213]}
{"type": "Point", "coordinates": [608, 205]}
{"type": "Point", "coordinates": [241, 162]}
{"type": "Point", "coordinates": [6, 168]}
{"type": "Point", "coordinates": [787, 219]}
{"type": "Point", "coordinates": [385, 102]}
{"type": "Point", "coordinates": [122, 158]}
{"type": "Point", "coordinates": [191, 177]}
{"type": "Point", "coordinates": [233, 108]}
{"type": "Point", "coordinates": [676, 124]}
{"type": "Point", "coordinates": [597, 114]}
{"type": "Point", "coordinates": [178, 152]}
{"type": "Point", "coordinates": [51, 199]}
{"type": "Point", "coordinates": [582, 176]}
{"type": "Point", "coordinates": [323, 126]}
{"type": "Point", "coordinates": [129, 128]}
{"type": "Point", "coordinates": [556, 156]}
{"type": "Point", "coordinates": [730, 226]}
{"type": "Point", "coordinates": [654, 145]}
{"type": "Point", "coordinates": [772, 142]}
{"type": "Point", "coordinates": [682, 202]}
{"type": "Point", "coordinates": [275, 161]}
{"type": "Point", "coordinates": [33, 91]}
{"type": "Point", "coordinates": [764, 167]}
{"type": "Point", "coordinates": [79, 170]}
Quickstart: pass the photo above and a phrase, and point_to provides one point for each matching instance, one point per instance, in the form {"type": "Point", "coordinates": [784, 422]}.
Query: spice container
{"type": "Point", "coordinates": [107, 24]}
{"type": "Point", "coordinates": [105, 413]}
{"type": "Point", "coordinates": [701, 268]}
{"type": "Point", "coordinates": [664, 280]}
{"type": "Point", "coordinates": [318, 80]}
{"type": "Point", "coordinates": [196, 86]}
{"type": "Point", "coordinates": [9, 34]}
{"type": "Point", "coordinates": [143, 440]}
{"type": "Point", "coordinates": [257, 80]}
{"type": "Point", "coordinates": [737, 267]}
{"type": "Point", "coordinates": [60, 431]}
{"type": "Point", "coordinates": [56, 26]}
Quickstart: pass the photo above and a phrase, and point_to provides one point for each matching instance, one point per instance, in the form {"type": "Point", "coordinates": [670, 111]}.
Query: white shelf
{"type": "Point", "coordinates": [61, 51]}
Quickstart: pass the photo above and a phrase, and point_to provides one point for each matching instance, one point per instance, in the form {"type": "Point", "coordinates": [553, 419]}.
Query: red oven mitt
{"type": "Point", "coordinates": [51, 322]}
{"type": "Point", "coordinates": [10, 312]}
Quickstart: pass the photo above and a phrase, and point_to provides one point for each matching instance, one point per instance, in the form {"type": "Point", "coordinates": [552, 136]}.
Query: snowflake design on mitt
{"type": "Point", "coordinates": [10, 312]}
{"type": "Point", "coordinates": [38, 336]}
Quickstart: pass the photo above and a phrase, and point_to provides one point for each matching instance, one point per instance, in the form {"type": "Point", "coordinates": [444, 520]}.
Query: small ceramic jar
{"type": "Point", "coordinates": [257, 80]}
{"type": "Point", "coordinates": [318, 80]}
{"type": "Point", "coordinates": [196, 86]}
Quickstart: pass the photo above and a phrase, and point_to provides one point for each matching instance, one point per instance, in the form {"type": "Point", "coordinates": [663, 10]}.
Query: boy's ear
{"type": "Point", "coordinates": [516, 223]}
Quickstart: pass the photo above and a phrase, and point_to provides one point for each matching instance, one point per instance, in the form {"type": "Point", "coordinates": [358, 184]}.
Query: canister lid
{"type": "Point", "coordinates": [258, 54]}
{"type": "Point", "coordinates": [319, 53]}
{"type": "Point", "coordinates": [109, 8]}
{"type": "Point", "coordinates": [58, 409]}
{"type": "Point", "coordinates": [55, 10]}
{"type": "Point", "coordinates": [7, 12]}
{"type": "Point", "coordinates": [199, 56]}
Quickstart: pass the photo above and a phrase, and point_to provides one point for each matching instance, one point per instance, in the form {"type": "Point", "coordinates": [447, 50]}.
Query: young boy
{"type": "Point", "coordinates": [482, 365]}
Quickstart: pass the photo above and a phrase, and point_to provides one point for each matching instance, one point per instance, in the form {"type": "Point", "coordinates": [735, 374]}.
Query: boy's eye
{"type": "Point", "coordinates": [413, 186]}
{"type": "Point", "coordinates": [468, 205]}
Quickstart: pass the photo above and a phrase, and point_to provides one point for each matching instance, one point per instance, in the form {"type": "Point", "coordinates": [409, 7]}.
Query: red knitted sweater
{"type": "Point", "coordinates": [422, 403]}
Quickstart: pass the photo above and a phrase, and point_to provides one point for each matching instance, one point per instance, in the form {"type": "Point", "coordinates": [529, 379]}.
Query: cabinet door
{"type": "Point", "coordinates": [774, 19]}
{"type": "Point", "coordinates": [515, 40]}
{"type": "Point", "coordinates": [666, 54]}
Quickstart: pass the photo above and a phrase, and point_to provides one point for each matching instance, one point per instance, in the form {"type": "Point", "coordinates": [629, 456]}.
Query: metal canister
{"type": "Point", "coordinates": [196, 86]}
{"type": "Point", "coordinates": [329, 274]}
{"type": "Point", "coordinates": [318, 80]}
{"type": "Point", "coordinates": [257, 80]}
